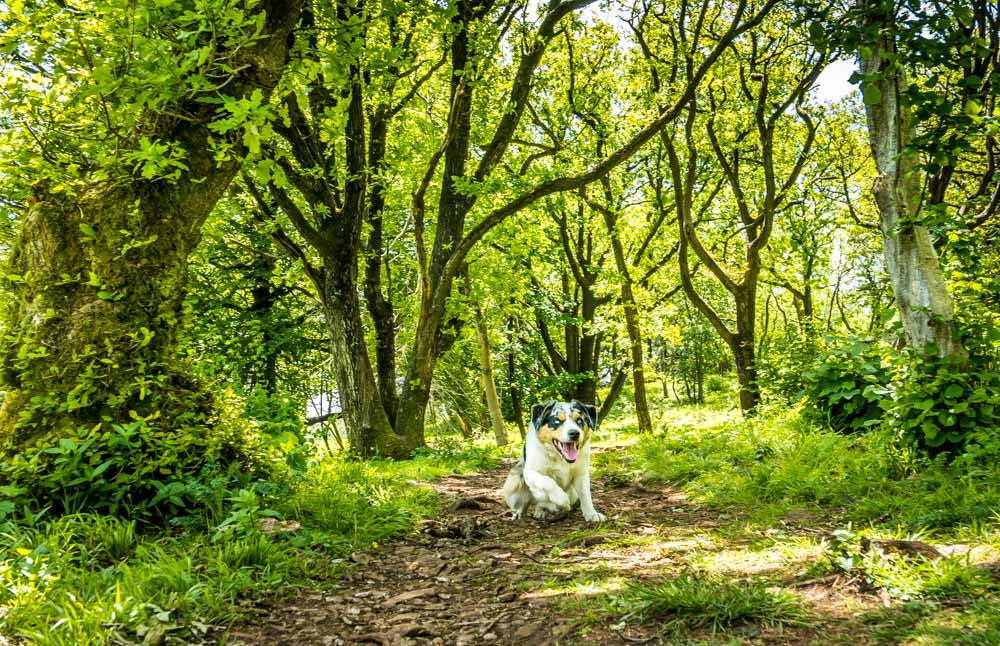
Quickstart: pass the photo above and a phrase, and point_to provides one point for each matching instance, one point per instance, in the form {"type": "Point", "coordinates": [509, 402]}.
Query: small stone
{"type": "Point", "coordinates": [525, 631]}
{"type": "Point", "coordinates": [489, 637]}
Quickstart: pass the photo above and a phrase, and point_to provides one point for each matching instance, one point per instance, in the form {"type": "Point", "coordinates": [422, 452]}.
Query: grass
{"type": "Point", "coordinates": [773, 489]}
{"type": "Point", "coordinates": [86, 579]}
{"type": "Point", "coordinates": [776, 462]}
{"type": "Point", "coordinates": [694, 600]}
{"type": "Point", "coordinates": [930, 622]}
{"type": "Point", "coordinates": [764, 503]}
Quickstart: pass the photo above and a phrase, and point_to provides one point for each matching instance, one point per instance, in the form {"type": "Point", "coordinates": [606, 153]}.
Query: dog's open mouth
{"type": "Point", "coordinates": [568, 450]}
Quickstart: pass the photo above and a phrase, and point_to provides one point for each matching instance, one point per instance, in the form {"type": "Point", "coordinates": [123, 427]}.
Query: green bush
{"type": "Point", "coordinates": [280, 422]}
{"type": "Point", "coordinates": [718, 384]}
{"type": "Point", "coordinates": [783, 368]}
{"type": "Point", "coordinates": [846, 386]}
{"type": "Point", "coordinates": [143, 469]}
{"type": "Point", "coordinates": [940, 407]}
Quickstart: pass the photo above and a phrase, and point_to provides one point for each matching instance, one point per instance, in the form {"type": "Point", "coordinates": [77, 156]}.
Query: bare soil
{"type": "Point", "coordinates": [474, 576]}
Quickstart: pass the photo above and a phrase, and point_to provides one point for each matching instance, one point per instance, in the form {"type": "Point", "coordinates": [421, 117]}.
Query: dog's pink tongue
{"type": "Point", "coordinates": [569, 450]}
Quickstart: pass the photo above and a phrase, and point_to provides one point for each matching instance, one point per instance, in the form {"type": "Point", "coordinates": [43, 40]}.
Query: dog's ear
{"type": "Point", "coordinates": [539, 411]}
{"type": "Point", "coordinates": [589, 411]}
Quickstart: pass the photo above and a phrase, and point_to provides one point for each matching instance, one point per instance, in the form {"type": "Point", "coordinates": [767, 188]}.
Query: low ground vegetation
{"type": "Point", "coordinates": [773, 525]}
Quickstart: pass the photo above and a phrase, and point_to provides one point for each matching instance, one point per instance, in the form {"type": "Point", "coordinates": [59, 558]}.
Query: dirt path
{"type": "Point", "coordinates": [474, 576]}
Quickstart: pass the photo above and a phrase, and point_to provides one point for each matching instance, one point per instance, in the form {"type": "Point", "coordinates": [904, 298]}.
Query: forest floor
{"type": "Point", "coordinates": [474, 576]}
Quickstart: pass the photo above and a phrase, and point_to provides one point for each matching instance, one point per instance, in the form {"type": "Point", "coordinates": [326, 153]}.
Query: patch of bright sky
{"type": "Point", "coordinates": [832, 84]}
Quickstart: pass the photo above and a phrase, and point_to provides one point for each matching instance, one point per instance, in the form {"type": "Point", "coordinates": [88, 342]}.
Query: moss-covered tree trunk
{"type": "Point", "coordinates": [97, 301]}
{"type": "Point", "coordinates": [369, 429]}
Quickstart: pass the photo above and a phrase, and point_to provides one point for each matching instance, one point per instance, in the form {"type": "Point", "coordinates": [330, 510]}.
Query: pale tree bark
{"type": "Point", "coordinates": [489, 384]}
{"type": "Point", "coordinates": [96, 316]}
{"type": "Point", "coordinates": [922, 299]}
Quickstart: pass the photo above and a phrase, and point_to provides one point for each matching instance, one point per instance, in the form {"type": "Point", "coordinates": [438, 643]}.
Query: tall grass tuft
{"type": "Point", "coordinates": [701, 601]}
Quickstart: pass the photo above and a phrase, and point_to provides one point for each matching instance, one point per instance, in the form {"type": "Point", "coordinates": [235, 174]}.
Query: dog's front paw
{"type": "Point", "coordinates": [594, 517]}
{"type": "Point", "coordinates": [561, 502]}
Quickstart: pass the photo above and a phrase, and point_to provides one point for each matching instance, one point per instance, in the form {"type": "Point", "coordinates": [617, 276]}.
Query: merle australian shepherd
{"type": "Point", "coordinates": [553, 473]}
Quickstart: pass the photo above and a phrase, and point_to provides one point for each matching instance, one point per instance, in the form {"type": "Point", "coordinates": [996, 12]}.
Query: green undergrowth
{"type": "Point", "coordinates": [92, 579]}
{"type": "Point", "coordinates": [778, 499]}
{"type": "Point", "coordinates": [776, 462]}
{"type": "Point", "coordinates": [703, 601]}
{"type": "Point", "coordinates": [934, 622]}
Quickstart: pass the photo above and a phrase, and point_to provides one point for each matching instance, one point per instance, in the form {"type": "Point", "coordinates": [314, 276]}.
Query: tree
{"type": "Point", "coordinates": [142, 124]}
{"type": "Point", "coordinates": [451, 246]}
{"type": "Point", "coordinates": [333, 161]}
{"type": "Point", "coordinates": [752, 139]}
{"type": "Point", "coordinates": [924, 304]}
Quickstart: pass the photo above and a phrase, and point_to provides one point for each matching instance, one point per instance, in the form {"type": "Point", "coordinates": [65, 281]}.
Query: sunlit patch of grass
{"type": "Point", "coordinates": [928, 623]}
{"type": "Point", "coordinates": [705, 601]}
{"type": "Point", "coordinates": [786, 556]}
{"type": "Point", "coordinates": [907, 574]}
{"type": "Point", "coordinates": [775, 462]}
{"type": "Point", "coordinates": [593, 583]}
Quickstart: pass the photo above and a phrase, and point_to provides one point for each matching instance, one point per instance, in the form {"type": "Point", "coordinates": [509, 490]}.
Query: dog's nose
{"type": "Point", "coordinates": [574, 436]}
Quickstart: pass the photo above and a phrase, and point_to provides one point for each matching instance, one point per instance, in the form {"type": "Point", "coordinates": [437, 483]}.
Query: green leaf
{"type": "Point", "coordinates": [953, 391]}
{"type": "Point", "coordinates": [871, 94]}
{"type": "Point", "coordinates": [817, 33]}
{"type": "Point", "coordinates": [973, 108]}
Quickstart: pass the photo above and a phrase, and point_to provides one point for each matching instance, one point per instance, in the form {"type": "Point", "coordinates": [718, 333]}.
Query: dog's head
{"type": "Point", "coordinates": [565, 426]}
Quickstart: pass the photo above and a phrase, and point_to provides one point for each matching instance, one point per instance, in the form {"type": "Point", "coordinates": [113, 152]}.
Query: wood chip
{"type": "Point", "coordinates": [408, 596]}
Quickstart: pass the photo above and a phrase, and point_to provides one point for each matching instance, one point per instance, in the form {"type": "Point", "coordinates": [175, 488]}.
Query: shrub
{"type": "Point", "coordinates": [940, 407]}
{"type": "Point", "coordinates": [144, 469]}
{"type": "Point", "coordinates": [846, 386]}
{"type": "Point", "coordinates": [783, 367]}
{"type": "Point", "coordinates": [280, 422]}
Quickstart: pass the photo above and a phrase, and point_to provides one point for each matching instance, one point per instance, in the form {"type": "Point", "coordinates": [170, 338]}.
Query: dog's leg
{"type": "Point", "coordinates": [516, 492]}
{"type": "Point", "coordinates": [549, 496]}
{"type": "Point", "coordinates": [590, 514]}
{"type": "Point", "coordinates": [573, 493]}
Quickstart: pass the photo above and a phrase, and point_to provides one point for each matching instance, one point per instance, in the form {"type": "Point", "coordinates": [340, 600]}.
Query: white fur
{"type": "Point", "coordinates": [544, 479]}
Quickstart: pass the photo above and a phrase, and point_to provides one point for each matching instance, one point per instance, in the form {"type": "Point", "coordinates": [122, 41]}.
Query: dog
{"type": "Point", "coordinates": [553, 473]}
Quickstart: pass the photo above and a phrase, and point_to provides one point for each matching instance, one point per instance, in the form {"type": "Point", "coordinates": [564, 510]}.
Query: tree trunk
{"type": "Point", "coordinates": [631, 325]}
{"type": "Point", "coordinates": [512, 387]}
{"type": "Point", "coordinates": [263, 371]}
{"type": "Point", "coordinates": [489, 385]}
{"type": "Point", "coordinates": [925, 307]}
{"type": "Point", "coordinates": [96, 310]}
{"type": "Point", "coordinates": [617, 385]}
{"type": "Point", "coordinates": [746, 374]}
{"type": "Point", "coordinates": [379, 305]}
{"type": "Point", "coordinates": [416, 392]}
{"type": "Point", "coordinates": [369, 430]}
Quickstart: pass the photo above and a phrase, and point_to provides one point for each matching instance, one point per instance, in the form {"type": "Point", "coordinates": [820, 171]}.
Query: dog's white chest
{"type": "Point", "coordinates": [564, 474]}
